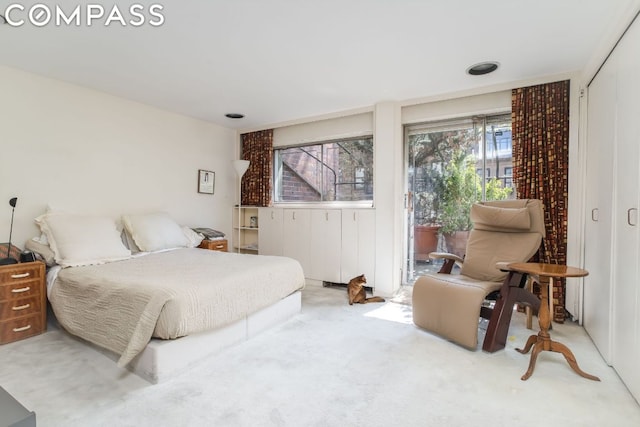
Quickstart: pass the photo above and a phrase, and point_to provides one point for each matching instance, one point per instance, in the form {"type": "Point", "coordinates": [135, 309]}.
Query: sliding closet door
{"type": "Point", "coordinates": [600, 144]}
{"type": "Point", "coordinates": [626, 330]}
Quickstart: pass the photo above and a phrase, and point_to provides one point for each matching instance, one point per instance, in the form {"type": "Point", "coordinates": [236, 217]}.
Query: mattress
{"type": "Point", "coordinates": [121, 305]}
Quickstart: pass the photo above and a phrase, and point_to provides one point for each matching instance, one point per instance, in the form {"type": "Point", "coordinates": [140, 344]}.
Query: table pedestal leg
{"type": "Point", "coordinates": [530, 342]}
{"type": "Point", "coordinates": [540, 344]}
{"type": "Point", "coordinates": [543, 342]}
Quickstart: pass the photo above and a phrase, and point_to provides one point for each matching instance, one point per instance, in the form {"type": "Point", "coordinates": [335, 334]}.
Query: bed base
{"type": "Point", "coordinates": [163, 359]}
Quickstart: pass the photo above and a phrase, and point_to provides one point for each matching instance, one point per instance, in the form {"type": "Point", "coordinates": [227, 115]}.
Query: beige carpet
{"type": "Point", "coordinates": [332, 365]}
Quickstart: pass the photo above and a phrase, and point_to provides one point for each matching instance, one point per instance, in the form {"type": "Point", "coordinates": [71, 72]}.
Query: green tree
{"type": "Point", "coordinates": [429, 155]}
{"type": "Point", "coordinates": [495, 191]}
{"type": "Point", "coordinates": [460, 188]}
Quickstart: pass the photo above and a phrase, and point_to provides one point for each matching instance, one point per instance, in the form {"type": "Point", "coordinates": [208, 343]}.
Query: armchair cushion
{"type": "Point", "coordinates": [449, 305]}
{"type": "Point", "coordinates": [491, 218]}
{"type": "Point", "coordinates": [485, 249]}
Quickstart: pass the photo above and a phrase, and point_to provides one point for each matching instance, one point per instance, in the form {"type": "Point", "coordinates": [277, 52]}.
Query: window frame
{"type": "Point", "coordinates": [277, 176]}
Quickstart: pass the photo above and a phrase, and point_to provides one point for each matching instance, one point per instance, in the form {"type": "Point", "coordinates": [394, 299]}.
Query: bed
{"type": "Point", "coordinates": [158, 311]}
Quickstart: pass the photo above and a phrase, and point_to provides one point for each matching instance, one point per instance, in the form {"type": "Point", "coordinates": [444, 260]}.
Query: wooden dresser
{"type": "Point", "coordinates": [23, 301]}
{"type": "Point", "coordinates": [215, 245]}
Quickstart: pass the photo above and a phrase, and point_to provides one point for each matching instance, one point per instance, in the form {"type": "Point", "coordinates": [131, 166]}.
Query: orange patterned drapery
{"type": "Point", "coordinates": [540, 135]}
{"type": "Point", "coordinates": [257, 147]}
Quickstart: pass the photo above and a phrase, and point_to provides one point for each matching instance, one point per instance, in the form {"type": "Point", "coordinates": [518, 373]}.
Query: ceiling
{"type": "Point", "coordinates": [282, 60]}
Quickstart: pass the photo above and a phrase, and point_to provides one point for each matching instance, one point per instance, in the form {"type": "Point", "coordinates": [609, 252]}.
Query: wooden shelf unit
{"type": "Point", "coordinates": [247, 230]}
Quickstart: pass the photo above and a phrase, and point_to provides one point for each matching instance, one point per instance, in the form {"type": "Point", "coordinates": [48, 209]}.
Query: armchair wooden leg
{"type": "Point", "coordinates": [527, 310]}
{"type": "Point", "coordinates": [512, 291]}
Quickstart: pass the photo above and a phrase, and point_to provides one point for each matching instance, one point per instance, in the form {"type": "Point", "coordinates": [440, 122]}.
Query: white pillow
{"type": "Point", "coordinates": [44, 250]}
{"type": "Point", "coordinates": [128, 242]}
{"type": "Point", "coordinates": [194, 238]}
{"type": "Point", "coordinates": [155, 231]}
{"type": "Point", "coordinates": [82, 239]}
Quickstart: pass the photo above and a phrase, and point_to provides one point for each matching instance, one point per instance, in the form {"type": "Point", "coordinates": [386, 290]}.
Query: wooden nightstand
{"type": "Point", "coordinates": [23, 301]}
{"type": "Point", "coordinates": [215, 245]}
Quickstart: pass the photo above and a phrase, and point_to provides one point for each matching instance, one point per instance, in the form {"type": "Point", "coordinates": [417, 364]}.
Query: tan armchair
{"type": "Point", "coordinates": [450, 305]}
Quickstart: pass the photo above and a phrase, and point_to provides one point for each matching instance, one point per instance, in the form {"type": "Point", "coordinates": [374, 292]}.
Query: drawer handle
{"type": "Point", "coordinates": [219, 246]}
{"type": "Point", "coordinates": [21, 307]}
{"type": "Point", "coordinates": [20, 276]}
{"type": "Point", "coordinates": [24, 328]}
{"type": "Point", "coordinates": [20, 290]}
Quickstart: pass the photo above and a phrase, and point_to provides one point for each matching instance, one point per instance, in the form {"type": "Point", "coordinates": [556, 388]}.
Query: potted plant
{"type": "Point", "coordinates": [461, 188]}
{"type": "Point", "coordinates": [426, 209]}
{"type": "Point", "coordinates": [426, 228]}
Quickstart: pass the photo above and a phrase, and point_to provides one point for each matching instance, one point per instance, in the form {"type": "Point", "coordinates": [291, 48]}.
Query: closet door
{"type": "Point", "coordinates": [358, 244]}
{"type": "Point", "coordinates": [296, 235]}
{"type": "Point", "coordinates": [270, 231]}
{"type": "Point", "coordinates": [324, 245]}
{"type": "Point", "coordinates": [626, 255]}
{"type": "Point", "coordinates": [598, 201]}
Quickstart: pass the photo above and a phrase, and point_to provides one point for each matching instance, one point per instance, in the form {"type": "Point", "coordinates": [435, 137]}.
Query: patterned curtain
{"type": "Point", "coordinates": [257, 147]}
{"type": "Point", "coordinates": [540, 134]}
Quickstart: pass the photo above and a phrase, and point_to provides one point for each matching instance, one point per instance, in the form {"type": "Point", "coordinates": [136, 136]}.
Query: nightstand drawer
{"type": "Point", "coordinates": [18, 272]}
{"type": "Point", "coordinates": [23, 289]}
{"type": "Point", "coordinates": [214, 245]}
{"type": "Point", "coordinates": [12, 309]}
{"type": "Point", "coordinates": [17, 329]}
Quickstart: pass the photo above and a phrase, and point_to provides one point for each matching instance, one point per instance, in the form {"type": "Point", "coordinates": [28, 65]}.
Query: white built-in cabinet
{"type": "Point", "coordinates": [270, 231]}
{"type": "Point", "coordinates": [612, 235]}
{"type": "Point", "coordinates": [358, 244]}
{"type": "Point", "coordinates": [326, 232]}
{"type": "Point", "coordinates": [332, 245]}
{"type": "Point", "coordinates": [296, 234]}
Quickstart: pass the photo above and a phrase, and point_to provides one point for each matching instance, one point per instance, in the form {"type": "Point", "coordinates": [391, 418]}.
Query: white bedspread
{"type": "Point", "coordinates": [121, 305]}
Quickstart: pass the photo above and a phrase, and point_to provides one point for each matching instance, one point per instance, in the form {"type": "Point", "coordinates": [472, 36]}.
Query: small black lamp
{"type": "Point", "coordinates": [8, 260]}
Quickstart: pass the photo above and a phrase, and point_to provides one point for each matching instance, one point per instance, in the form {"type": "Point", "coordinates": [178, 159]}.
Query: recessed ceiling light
{"type": "Point", "coordinates": [234, 115]}
{"type": "Point", "coordinates": [482, 68]}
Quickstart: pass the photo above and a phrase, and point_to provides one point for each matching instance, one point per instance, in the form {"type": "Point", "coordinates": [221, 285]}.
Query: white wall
{"type": "Point", "coordinates": [324, 130]}
{"type": "Point", "coordinates": [84, 151]}
{"type": "Point", "coordinates": [488, 103]}
{"type": "Point", "coordinates": [388, 197]}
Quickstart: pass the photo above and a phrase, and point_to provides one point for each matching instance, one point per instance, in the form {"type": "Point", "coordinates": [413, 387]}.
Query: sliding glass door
{"type": "Point", "coordinates": [451, 165]}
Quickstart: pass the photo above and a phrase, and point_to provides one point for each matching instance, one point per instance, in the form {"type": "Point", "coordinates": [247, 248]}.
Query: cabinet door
{"type": "Point", "coordinates": [325, 245]}
{"type": "Point", "coordinates": [598, 202]}
{"type": "Point", "coordinates": [270, 231]}
{"type": "Point", "coordinates": [296, 236]}
{"type": "Point", "coordinates": [626, 340]}
{"type": "Point", "coordinates": [358, 244]}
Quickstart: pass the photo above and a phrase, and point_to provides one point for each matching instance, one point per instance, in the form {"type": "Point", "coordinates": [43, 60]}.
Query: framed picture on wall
{"type": "Point", "coordinates": [206, 181]}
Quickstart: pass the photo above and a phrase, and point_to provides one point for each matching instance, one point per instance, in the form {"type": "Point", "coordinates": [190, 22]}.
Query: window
{"type": "Point", "coordinates": [323, 172]}
{"type": "Point", "coordinates": [454, 163]}
{"type": "Point", "coordinates": [508, 174]}
{"type": "Point", "coordinates": [359, 178]}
